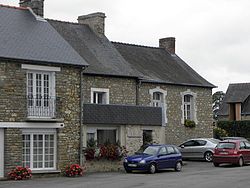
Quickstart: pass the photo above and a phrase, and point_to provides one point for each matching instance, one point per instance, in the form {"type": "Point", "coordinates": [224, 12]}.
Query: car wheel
{"type": "Point", "coordinates": [216, 164]}
{"type": "Point", "coordinates": [178, 166]}
{"type": "Point", "coordinates": [208, 156]}
{"type": "Point", "coordinates": [152, 168]}
{"type": "Point", "coordinates": [240, 162]}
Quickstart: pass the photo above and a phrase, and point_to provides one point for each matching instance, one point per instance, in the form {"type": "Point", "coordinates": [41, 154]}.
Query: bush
{"type": "Point", "coordinates": [73, 170]}
{"type": "Point", "coordinates": [109, 152]}
{"type": "Point", "coordinates": [20, 173]}
{"type": "Point", "coordinates": [236, 128]}
{"type": "Point", "coordinates": [219, 133]}
{"type": "Point", "coordinates": [189, 123]}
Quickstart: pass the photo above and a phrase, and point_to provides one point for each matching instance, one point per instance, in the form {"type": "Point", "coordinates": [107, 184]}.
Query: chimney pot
{"type": "Point", "coordinates": [95, 21]}
{"type": "Point", "coordinates": [35, 5]}
{"type": "Point", "coordinates": [168, 44]}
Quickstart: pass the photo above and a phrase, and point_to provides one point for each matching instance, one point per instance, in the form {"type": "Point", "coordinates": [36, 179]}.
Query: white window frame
{"type": "Point", "coordinates": [105, 92]}
{"type": "Point", "coordinates": [32, 132]}
{"type": "Point", "coordinates": [1, 153]}
{"type": "Point", "coordinates": [95, 129]}
{"type": "Point", "coordinates": [193, 110]}
{"type": "Point", "coordinates": [37, 69]}
{"type": "Point", "coordinates": [163, 102]}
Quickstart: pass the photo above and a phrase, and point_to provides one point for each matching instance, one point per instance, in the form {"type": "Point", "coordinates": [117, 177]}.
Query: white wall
{"type": "Point", "coordinates": [1, 152]}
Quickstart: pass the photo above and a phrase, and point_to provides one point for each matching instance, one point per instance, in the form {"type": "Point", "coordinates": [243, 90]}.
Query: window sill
{"type": "Point", "coordinates": [46, 171]}
{"type": "Point", "coordinates": [33, 119]}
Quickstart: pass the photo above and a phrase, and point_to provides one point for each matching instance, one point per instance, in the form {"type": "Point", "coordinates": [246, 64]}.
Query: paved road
{"type": "Point", "coordinates": [194, 175]}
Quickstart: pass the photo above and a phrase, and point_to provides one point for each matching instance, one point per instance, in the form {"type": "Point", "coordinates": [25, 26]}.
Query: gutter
{"type": "Point", "coordinates": [81, 116]}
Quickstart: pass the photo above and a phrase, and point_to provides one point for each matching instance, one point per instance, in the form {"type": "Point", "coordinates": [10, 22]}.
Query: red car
{"type": "Point", "coordinates": [232, 151]}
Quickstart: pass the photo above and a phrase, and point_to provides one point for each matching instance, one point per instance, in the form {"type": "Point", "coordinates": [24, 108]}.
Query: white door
{"type": "Point", "coordinates": [1, 153]}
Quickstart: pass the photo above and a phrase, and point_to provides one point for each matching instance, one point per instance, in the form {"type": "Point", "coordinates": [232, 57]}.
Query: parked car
{"type": "Point", "coordinates": [153, 158]}
{"type": "Point", "coordinates": [234, 138]}
{"type": "Point", "coordinates": [233, 152]}
{"type": "Point", "coordinates": [198, 148]}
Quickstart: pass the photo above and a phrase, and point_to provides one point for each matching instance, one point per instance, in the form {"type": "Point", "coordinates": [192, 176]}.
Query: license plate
{"type": "Point", "coordinates": [223, 153]}
{"type": "Point", "coordinates": [132, 165]}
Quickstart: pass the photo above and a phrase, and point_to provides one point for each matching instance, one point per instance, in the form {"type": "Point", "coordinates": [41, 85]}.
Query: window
{"type": "Point", "coordinates": [90, 136]}
{"type": "Point", "coordinates": [158, 96]}
{"type": "Point", "coordinates": [163, 151]}
{"type": "Point", "coordinates": [147, 137]}
{"type": "Point", "coordinates": [106, 136]}
{"type": "Point", "coordinates": [99, 96]}
{"type": "Point", "coordinates": [191, 143]}
{"type": "Point", "coordinates": [171, 150]}
{"type": "Point", "coordinates": [157, 99]}
{"type": "Point", "coordinates": [39, 150]}
{"type": "Point", "coordinates": [40, 94]}
{"type": "Point", "coordinates": [188, 106]}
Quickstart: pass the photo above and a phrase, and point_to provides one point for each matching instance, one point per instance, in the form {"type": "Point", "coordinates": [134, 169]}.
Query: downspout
{"type": "Point", "coordinates": [138, 85]}
{"type": "Point", "coordinates": [81, 116]}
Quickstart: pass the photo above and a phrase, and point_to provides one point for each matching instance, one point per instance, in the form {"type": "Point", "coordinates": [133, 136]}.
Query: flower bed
{"type": "Point", "coordinates": [73, 170]}
{"type": "Point", "coordinates": [20, 173]}
{"type": "Point", "coordinates": [109, 152]}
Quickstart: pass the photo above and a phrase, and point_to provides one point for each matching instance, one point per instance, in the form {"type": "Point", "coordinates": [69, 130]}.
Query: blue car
{"type": "Point", "coordinates": [153, 158]}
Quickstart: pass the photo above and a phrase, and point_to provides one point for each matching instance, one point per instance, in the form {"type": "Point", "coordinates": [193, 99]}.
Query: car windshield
{"type": "Point", "coordinates": [228, 145]}
{"type": "Point", "coordinates": [151, 150]}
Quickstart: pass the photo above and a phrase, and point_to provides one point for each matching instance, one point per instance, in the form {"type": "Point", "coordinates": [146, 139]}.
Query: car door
{"type": "Point", "coordinates": [162, 158]}
{"type": "Point", "coordinates": [247, 151]}
{"type": "Point", "coordinates": [172, 157]}
{"type": "Point", "coordinates": [188, 149]}
{"type": "Point", "coordinates": [243, 151]}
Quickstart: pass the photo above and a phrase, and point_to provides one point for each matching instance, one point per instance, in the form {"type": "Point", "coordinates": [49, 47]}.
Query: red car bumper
{"type": "Point", "coordinates": [226, 159]}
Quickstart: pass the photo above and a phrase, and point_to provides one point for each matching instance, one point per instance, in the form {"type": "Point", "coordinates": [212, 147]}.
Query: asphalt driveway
{"type": "Point", "coordinates": [194, 175]}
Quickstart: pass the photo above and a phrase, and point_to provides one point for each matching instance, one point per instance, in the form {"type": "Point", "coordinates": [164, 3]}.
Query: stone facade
{"type": "Point", "coordinates": [122, 91]}
{"type": "Point", "coordinates": [176, 132]}
{"type": "Point", "coordinates": [13, 103]}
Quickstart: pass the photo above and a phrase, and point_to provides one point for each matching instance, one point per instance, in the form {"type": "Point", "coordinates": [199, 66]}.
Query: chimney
{"type": "Point", "coordinates": [35, 5]}
{"type": "Point", "coordinates": [95, 21]}
{"type": "Point", "coordinates": [168, 44]}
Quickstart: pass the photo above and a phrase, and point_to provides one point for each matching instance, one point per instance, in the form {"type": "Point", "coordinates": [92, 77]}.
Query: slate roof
{"type": "Point", "coordinates": [157, 65]}
{"type": "Point", "coordinates": [121, 114]}
{"type": "Point", "coordinates": [236, 93]}
{"type": "Point", "coordinates": [24, 37]}
{"type": "Point", "coordinates": [102, 56]}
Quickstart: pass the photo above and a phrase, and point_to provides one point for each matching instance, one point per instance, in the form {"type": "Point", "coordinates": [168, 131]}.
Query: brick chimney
{"type": "Point", "coordinates": [95, 21]}
{"type": "Point", "coordinates": [168, 44]}
{"type": "Point", "coordinates": [35, 5]}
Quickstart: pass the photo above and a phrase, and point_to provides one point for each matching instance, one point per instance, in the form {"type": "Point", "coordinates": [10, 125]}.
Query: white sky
{"type": "Point", "coordinates": [212, 36]}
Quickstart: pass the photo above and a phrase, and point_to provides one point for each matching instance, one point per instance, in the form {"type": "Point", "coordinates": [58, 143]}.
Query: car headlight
{"type": "Point", "coordinates": [125, 160]}
{"type": "Point", "coordinates": [142, 161]}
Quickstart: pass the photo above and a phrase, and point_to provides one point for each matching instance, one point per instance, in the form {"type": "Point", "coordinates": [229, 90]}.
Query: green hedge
{"type": "Point", "coordinates": [236, 128]}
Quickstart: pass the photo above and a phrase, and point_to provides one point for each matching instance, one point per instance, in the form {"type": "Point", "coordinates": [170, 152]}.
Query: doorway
{"type": "Point", "coordinates": [1, 153]}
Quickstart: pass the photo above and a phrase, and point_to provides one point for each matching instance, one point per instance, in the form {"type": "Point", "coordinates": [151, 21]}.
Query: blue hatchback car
{"type": "Point", "coordinates": [153, 158]}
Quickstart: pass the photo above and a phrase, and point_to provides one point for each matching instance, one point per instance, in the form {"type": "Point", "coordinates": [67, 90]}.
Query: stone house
{"type": "Point", "coordinates": [236, 103]}
{"type": "Point", "coordinates": [62, 84]}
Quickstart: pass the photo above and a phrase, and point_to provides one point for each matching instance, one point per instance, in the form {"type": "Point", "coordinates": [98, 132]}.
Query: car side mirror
{"type": "Point", "coordinates": [182, 146]}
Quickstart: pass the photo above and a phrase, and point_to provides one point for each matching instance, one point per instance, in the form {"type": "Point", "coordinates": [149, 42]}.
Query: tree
{"type": "Point", "coordinates": [217, 101]}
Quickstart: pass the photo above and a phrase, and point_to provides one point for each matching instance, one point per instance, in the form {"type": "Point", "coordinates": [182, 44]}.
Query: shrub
{"type": "Point", "coordinates": [20, 173]}
{"type": "Point", "coordinates": [219, 132]}
{"type": "Point", "coordinates": [73, 170]}
{"type": "Point", "coordinates": [189, 123]}
{"type": "Point", "coordinates": [109, 152]}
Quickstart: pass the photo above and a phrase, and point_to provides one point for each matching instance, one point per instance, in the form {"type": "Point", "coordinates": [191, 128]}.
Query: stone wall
{"type": "Point", "coordinates": [13, 109]}
{"type": "Point", "coordinates": [134, 136]}
{"type": "Point", "coordinates": [176, 132]}
{"type": "Point", "coordinates": [121, 90]}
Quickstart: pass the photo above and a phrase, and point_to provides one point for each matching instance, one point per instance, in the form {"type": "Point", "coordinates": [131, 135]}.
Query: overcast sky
{"type": "Point", "coordinates": [212, 36]}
